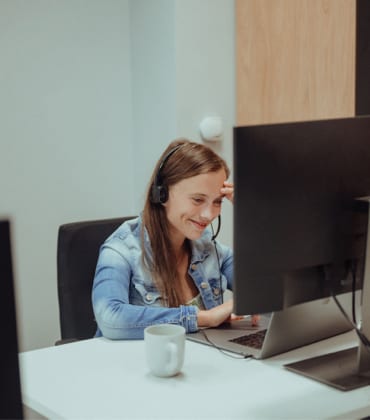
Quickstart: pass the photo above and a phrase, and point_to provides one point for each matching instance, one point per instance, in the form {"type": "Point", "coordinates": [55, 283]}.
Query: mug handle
{"type": "Point", "coordinates": [172, 357]}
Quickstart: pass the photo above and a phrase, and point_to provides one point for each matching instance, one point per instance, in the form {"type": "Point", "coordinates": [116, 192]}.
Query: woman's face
{"type": "Point", "coordinates": [193, 203]}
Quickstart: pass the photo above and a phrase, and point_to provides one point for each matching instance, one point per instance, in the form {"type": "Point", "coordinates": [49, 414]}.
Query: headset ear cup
{"type": "Point", "coordinates": [159, 194]}
{"type": "Point", "coordinates": [154, 195]}
{"type": "Point", "coordinates": [163, 194]}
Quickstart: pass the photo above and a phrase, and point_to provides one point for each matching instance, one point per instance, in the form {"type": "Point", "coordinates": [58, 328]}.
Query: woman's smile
{"type": "Point", "coordinates": [199, 225]}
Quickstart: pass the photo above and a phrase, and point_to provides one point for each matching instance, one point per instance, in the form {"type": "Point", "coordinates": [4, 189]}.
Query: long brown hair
{"type": "Point", "coordinates": [188, 160]}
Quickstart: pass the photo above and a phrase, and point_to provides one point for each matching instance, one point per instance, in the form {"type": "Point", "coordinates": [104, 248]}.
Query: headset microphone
{"type": "Point", "coordinates": [214, 235]}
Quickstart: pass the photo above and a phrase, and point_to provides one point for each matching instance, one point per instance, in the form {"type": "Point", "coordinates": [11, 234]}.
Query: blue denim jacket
{"type": "Point", "coordinates": [125, 299]}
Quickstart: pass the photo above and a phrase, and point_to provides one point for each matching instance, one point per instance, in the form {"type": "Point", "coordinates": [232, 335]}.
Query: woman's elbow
{"type": "Point", "coordinates": [115, 326]}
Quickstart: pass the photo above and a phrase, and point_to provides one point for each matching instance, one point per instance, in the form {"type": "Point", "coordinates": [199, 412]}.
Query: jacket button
{"type": "Point", "coordinates": [203, 285]}
{"type": "Point", "coordinates": [149, 297]}
{"type": "Point", "coordinates": [216, 291]}
{"type": "Point", "coordinates": [194, 267]}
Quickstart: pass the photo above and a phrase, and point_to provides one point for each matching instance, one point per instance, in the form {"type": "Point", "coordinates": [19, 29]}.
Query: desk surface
{"type": "Point", "coordinates": [102, 379]}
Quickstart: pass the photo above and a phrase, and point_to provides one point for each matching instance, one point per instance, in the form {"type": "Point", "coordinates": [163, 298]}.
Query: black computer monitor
{"type": "Point", "coordinates": [10, 400]}
{"type": "Point", "coordinates": [300, 220]}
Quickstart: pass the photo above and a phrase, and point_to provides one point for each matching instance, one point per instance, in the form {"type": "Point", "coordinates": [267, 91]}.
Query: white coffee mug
{"type": "Point", "coordinates": [165, 349]}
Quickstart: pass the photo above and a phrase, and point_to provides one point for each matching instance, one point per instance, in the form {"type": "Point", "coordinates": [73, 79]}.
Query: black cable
{"type": "Point", "coordinates": [364, 340]}
{"type": "Point", "coordinates": [203, 331]}
{"type": "Point", "coordinates": [353, 272]}
{"type": "Point", "coordinates": [221, 350]}
{"type": "Point", "coordinates": [220, 275]}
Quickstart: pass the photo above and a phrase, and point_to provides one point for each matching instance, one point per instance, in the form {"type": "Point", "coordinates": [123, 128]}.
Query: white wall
{"type": "Point", "coordinates": [205, 76]}
{"type": "Point", "coordinates": [91, 92]}
{"type": "Point", "coordinates": [66, 136]}
{"type": "Point", "coordinates": [183, 70]}
{"type": "Point", "coordinates": [153, 44]}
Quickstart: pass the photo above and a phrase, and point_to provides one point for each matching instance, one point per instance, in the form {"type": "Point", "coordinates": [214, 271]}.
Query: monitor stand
{"type": "Point", "coordinates": [346, 369]}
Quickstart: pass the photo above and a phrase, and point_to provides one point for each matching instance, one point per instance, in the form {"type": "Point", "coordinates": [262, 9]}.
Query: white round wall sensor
{"type": "Point", "coordinates": [211, 128]}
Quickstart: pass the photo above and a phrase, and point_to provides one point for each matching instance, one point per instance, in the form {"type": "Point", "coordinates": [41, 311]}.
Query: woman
{"type": "Point", "coordinates": [164, 267]}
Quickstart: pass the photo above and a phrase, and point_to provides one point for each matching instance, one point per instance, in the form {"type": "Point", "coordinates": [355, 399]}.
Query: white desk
{"type": "Point", "coordinates": [102, 379]}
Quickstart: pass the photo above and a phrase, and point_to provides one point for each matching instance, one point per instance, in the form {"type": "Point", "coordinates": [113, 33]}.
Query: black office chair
{"type": "Point", "coordinates": [10, 382]}
{"type": "Point", "coordinates": [77, 253]}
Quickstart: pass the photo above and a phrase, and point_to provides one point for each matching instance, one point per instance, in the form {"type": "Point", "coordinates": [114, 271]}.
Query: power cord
{"type": "Point", "coordinates": [364, 340]}
{"type": "Point", "coordinates": [221, 350]}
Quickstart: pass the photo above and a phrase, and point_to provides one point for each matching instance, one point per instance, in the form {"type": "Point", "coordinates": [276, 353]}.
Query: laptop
{"type": "Point", "coordinates": [279, 331]}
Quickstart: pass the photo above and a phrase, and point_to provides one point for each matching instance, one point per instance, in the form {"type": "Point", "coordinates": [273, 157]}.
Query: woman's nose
{"type": "Point", "coordinates": [209, 213]}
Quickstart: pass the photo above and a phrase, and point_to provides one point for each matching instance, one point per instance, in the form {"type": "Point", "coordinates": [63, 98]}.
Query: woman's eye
{"type": "Point", "coordinates": [198, 200]}
{"type": "Point", "coordinates": [218, 203]}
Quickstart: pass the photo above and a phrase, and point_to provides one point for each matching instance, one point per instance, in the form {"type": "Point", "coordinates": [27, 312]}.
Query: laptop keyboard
{"type": "Point", "coordinates": [254, 340]}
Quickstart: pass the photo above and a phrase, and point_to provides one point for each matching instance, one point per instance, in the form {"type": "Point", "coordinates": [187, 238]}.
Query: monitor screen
{"type": "Point", "coordinates": [300, 231]}
{"type": "Point", "coordinates": [10, 400]}
{"type": "Point", "coordinates": [301, 214]}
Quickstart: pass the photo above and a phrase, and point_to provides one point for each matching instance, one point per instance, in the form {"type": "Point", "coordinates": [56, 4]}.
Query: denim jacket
{"type": "Point", "coordinates": [124, 296]}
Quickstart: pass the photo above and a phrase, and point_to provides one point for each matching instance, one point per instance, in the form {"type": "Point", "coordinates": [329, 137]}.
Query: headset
{"type": "Point", "coordinates": [159, 192]}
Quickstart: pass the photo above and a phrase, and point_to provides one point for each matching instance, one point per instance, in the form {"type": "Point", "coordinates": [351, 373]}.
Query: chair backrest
{"type": "Point", "coordinates": [10, 398]}
{"type": "Point", "coordinates": [77, 253]}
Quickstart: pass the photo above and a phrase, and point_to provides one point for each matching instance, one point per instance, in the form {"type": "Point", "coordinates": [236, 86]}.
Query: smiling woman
{"type": "Point", "coordinates": [165, 266]}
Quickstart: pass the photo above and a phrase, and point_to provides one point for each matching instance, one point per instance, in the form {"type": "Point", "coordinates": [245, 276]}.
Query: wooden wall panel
{"type": "Point", "coordinates": [295, 60]}
{"type": "Point", "coordinates": [363, 58]}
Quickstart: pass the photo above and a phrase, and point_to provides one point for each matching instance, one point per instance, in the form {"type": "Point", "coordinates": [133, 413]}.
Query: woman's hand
{"type": "Point", "coordinates": [228, 191]}
{"type": "Point", "coordinates": [215, 316]}
{"type": "Point", "coordinates": [222, 313]}
{"type": "Point", "coordinates": [255, 320]}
